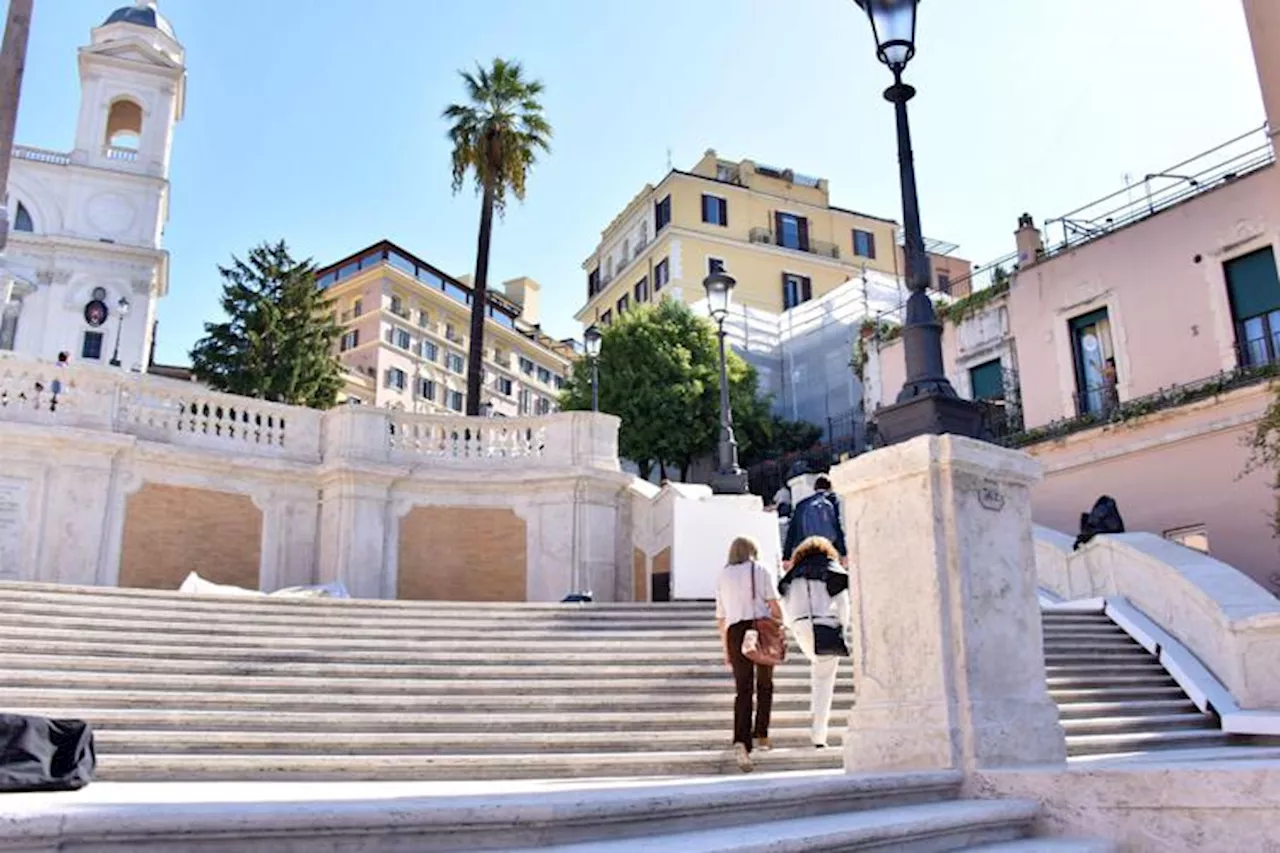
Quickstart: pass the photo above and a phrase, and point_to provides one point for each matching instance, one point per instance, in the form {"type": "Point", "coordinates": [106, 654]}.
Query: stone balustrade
{"type": "Point", "coordinates": [185, 414]}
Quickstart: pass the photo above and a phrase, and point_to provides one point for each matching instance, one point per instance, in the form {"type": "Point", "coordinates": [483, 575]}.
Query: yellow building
{"type": "Point", "coordinates": [774, 230]}
{"type": "Point", "coordinates": [405, 339]}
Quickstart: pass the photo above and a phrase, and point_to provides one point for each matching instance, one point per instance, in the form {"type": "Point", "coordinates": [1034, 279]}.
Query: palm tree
{"type": "Point", "coordinates": [496, 135]}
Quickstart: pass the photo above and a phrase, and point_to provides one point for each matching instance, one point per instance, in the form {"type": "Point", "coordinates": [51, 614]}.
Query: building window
{"type": "Point", "coordinates": [350, 340]}
{"type": "Point", "coordinates": [642, 290]}
{"type": "Point", "coordinates": [455, 362]}
{"type": "Point", "coordinates": [714, 265]}
{"type": "Point", "coordinates": [864, 244]}
{"type": "Point", "coordinates": [544, 376]}
{"type": "Point", "coordinates": [593, 282]}
{"type": "Point", "coordinates": [396, 378]}
{"type": "Point", "coordinates": [793, 231]}
{"type": "Point", "coordinates": [944, 283]}
{"type": "Point", "coordinates": [542, 406]}
{"type": "Point", "coordinates": [715, 210]}
{"type": "Point", "coordinates": [1195, 537]}
{"type": "Point", "coordinates": [426, 389]}
{"type": "Point", "coordinates": [796, 289]}
{"type": "Point", "coordinates": [558, 381]}
{"type": "Point", "coordinates": [124, 125]}
{"type": "Point", "coordinates": [22, 220]}
{"type": "Point", "coordinates": [1254, 290]}
{"type": "Point", "coordinates": [429, 351]}
{"type": "Point", "coordinates": [397, 307]}
{"type": "Point", "coordinates": [525, 401]}
{"type": "Point", "coordinates": [357, 308]}
{"type": "Point", "coordinates": [503, 385]}
{"type": "Point", "coordinates": [453, 399]}
{"type": "Point", "coordinates": [624, 302]}
{"type": "Point", "coordinates": [662, 214]}
{"type": "Point", "coordinates": [424, 319]}
{"type": "Point", "coordinates": [626, 253]}
{"type": "Point", "coordinates": [91, 346]}
{"type": "Point", "coordinates": [661, 275]}
{"type": "Point", "coordinates": [987, 381]}
{"type": "Point", "coordinates": [402, 339]}
{"type": "Point", "coordinates": [606, 318]}
{"type": "Point", "coordinates": [1095, 363]}
{"type": "Point", "coordinates": [526, 366]}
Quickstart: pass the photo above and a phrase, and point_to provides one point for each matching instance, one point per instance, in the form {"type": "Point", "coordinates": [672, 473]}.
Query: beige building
{"type": "Point", "coordinates": [406, 330]}
{"type": "Point", "coordinates": [774, 230]}
{"type": "Point", "coordinates": [1136, 350]}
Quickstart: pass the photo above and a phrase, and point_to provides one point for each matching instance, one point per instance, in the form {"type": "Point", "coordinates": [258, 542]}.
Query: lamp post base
{"type": "Point", "coordinates": [929, 414]}
{"type": "Point", "coordinates": [731, 482]}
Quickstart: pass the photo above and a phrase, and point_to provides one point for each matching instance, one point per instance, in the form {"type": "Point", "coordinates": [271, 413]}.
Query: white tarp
{"type": "Point", "coordinates": [196, 585]}
{"type": "Point", "coordinates": [703, 531]}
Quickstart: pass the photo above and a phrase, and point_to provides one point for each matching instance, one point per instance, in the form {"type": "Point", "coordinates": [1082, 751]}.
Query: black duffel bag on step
{"type": "Point", "coordinates": [39, 754]}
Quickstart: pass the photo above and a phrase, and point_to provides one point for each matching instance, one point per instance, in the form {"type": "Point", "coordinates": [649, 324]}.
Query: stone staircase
{"type": "Point", "coordinates": [1114, 697]}
{"type": "Point", "coordinates": [197, 688]}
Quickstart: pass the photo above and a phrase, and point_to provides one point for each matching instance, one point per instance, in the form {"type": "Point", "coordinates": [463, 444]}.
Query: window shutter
{"type": "Point", "coordinates": [724, 212]}
{"type": "Point", "coordinates": [871, 245]}
{"type": "Point", "coordinates": [806, 289]}
{"type": "Point", "coordinates": [1253, 284]}
{"type": "Point", "coordinates": [804, 233]}
{"type": "Point", "coordinates": [786, 301]}
{"type": "Point", "coordinates": [777, 228]}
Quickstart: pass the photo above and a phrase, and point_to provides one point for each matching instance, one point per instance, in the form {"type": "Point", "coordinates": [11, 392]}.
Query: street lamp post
{"type": "Point", "coordinates": [728, 479]}
{"type": "Point", "coordinates": [122, 306]}
{"type": "Point", "coordinates": [592, 339]}
{"type": "Point", "coordinates": [927, 403]}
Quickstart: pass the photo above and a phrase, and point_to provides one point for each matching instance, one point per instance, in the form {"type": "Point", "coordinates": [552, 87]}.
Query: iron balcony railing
{"type": "Point", "coordinates": [768, 237]}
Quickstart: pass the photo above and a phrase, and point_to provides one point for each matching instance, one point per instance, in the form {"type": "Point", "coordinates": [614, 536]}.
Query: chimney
{"type": "Point", "coordinates": [526, 293]}
{"type": "Point", "coordinates": [1263, 18]}
{"type": "Point", "coordinates": [1030, 240]}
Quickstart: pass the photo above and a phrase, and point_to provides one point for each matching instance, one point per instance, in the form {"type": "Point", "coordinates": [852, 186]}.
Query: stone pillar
{"type": "Point", "coordinates": [948, 647]}
{"type": "Point", "coordinates": [357, 541]}
{"type": "Point", "coordinates": [288, 553]}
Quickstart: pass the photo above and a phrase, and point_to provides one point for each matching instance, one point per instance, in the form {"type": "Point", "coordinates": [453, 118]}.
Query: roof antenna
{"type": "Point", "coordinates": [668, 158]}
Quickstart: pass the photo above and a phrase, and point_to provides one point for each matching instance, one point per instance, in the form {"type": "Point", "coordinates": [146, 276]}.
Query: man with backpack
{"type": "Point", "coordinates": [816, 515]}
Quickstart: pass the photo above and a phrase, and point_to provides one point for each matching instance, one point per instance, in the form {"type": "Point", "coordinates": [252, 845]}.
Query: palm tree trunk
{"type": "Point", "coordinates": [479, 306]}
{"type": "Point", "coordinates": [12, 59]}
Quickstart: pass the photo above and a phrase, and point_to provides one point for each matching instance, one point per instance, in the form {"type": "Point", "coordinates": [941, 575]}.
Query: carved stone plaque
{"type": "Point", "coordinates": [989, 496]}
{"type": "Point", "coordinates": [13, 511]}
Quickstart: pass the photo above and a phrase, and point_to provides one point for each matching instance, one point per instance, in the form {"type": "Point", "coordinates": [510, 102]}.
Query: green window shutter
{"type": "Point", "coordinates": [1253, 284]}
{"type": "Point", "coordinates": [988, 381]}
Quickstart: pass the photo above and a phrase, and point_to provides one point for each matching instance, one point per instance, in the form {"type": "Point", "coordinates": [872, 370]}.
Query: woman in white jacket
{"type": "Point", "coordinates": [816, 599]}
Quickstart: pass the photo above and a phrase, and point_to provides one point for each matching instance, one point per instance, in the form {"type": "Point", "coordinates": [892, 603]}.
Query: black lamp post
{"type": "Point", "coordinates": [122, 306]}
{"type": "Point", "coordinates": [728, 479]}
{"type": "Point", "coordinates": [591, 338]}
{"type": "Point", "coordinates": [927, 403]}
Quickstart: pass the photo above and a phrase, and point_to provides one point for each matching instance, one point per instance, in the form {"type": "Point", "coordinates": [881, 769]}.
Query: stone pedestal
{"type": "Point", "coordinates": [948, 647]}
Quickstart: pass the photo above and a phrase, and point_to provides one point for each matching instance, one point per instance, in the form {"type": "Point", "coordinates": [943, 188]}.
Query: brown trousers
{"type": "Point", "coordinates": [749, 678]}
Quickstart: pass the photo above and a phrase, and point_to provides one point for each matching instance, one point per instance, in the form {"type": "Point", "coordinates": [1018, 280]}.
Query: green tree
{"type": "Point", "coordinates": [279, 341]}
{"type": "Point", "coordinates": [660, 373]}
{"type": "Point", "coordinates": [496, 136]}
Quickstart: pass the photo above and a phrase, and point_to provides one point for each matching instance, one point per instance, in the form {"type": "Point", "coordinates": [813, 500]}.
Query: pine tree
{"type": "Point", "coordinates": [278, 344]}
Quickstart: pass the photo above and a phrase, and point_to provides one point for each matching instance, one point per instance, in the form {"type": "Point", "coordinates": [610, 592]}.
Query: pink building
{"type": "Point", "coordinates": [1134, 353]}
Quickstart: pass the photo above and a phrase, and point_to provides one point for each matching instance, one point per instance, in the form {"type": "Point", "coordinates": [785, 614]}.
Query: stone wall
{"type": "Point", "coordinates": [112, 478]}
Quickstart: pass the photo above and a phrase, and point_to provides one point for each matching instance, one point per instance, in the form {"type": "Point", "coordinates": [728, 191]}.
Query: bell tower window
{"type": "Point", "coordinates": [124, 128]}
{"type": "Point", "coordinates": [22, 219]}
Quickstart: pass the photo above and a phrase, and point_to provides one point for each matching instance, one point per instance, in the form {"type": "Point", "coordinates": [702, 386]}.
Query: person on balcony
{"type": "Point", "coordinates": [816, 598]}
{"type": "Point", "coordinates": [745, 593]}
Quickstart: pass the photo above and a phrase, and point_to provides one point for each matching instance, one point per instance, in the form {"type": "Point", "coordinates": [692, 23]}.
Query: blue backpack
{"type": "Point", "coordinates": [820, 516]}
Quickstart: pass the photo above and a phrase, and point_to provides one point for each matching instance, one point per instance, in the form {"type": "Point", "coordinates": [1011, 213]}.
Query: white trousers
{"type": "Point", "coordinates": [822, 680]}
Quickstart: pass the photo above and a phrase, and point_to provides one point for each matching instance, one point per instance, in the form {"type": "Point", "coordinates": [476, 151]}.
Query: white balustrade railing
{"type": "Point", "coordinates": [127, 155]}
{"type": "Point", "coordinates": [470, 439]}
{"type": "Point", "coordinates": [185, 414]}
{"type": "Point", "coordinates": [41, 155]}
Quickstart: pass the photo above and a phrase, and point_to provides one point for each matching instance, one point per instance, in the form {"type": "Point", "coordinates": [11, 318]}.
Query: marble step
{"type": "Point", "coordinates": [1104, 679]}
{"type": "Point", "coordinates": [1117, 744]}
{"type": "Point", "coordinates": [1066, 695]}
{"type": "Point", "coordinates": [1151, 665]}
{"type": "Point", "coordinates": [192, 742]}
{"type": "Point", "coordinates": [394, 687]}
{"type": "Point", "coordinates": [248, 766]}
{"type": "Point", "coordinates": [88, 698]}
{"type": "Point", "coordinates": [929, 828]}
{"type": "Point", "coordinates": [1101, 709]}
{"type": "Point", "coordinates": [1047, 845]}
{"type": "Point", "coordinates": [427, 817]}
{"type": "Point", "coordinates": [132, 719]}
{"type": "Point", "coordinates": [796, 667]}
{"type": "Point", "coordinates": [1139, 723]}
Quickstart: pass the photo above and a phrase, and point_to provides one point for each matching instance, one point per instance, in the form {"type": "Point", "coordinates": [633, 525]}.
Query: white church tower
{"type": "Point", "coordinates": [84, 267]}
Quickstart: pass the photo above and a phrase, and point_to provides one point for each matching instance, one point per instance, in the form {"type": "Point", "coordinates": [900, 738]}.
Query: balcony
{"type": "Point", "coordinates": [40, 155]}
{"type": "Point", "coordinates": [767, 237]}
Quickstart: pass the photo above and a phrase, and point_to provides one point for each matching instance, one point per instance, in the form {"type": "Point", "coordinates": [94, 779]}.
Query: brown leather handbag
{"type": "Point", "coordinates": [765, 644]}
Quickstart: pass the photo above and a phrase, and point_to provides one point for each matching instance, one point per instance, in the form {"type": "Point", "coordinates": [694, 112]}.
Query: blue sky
{"type": "Point", "coordinates": [317, 121]}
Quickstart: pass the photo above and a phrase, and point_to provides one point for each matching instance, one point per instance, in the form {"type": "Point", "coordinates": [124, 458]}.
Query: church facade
{"type": "Point", "coordinates": [84, 267]}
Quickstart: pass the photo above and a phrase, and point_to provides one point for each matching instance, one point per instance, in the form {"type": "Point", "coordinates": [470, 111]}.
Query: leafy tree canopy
{"type": "Point", "coordinates": [279, 341]}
